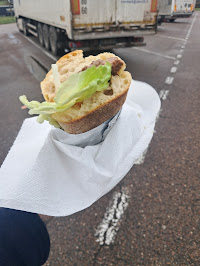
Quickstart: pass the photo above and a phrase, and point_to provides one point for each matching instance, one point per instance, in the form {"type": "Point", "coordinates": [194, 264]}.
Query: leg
{"type": "Point", "coordinates": [24, 239]}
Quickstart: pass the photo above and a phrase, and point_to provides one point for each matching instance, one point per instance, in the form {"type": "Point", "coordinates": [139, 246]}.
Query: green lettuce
{"type": "Point", "coordinates": [78, 87]}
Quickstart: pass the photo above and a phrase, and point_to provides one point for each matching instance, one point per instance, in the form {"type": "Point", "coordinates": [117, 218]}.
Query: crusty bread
{"type": "Point", "coordinates": [98, 108]}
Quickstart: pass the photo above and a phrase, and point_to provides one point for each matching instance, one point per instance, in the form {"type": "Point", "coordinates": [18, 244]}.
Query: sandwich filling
{"type": "Point", "coordinates": [116, 64]}
{"type": "Point", "coordinates": [77, 88]}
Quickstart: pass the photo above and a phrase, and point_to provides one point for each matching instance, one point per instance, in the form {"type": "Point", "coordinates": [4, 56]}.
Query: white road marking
{"type": "Point", "coordinates": [39, 47]}
{"type": "Point", "coordinates": [13, 39]}
{"type": "Point", "coordinates": [141, 159]}
{"type": "Point", "coordinates": [158, 115]}
{"type": "Point", "coordinates": [189, 31]}
{"type": "Point", "coordinates": [150, 52]}
{"type": "Point", "coordinates": [109, 226]}
{"type": "Point", "coordinates": [174, 38]}
{"type": "Point", "coordinates": [169, 80]}
{"type": "Point", "coordinates": [182, 47]}
{"type": "Point", "coordinates": [11, 36]}
{"type": "Point", "coordinates": [176, 62]}
{"type": "Point", "coordinates": [173, 69]}
{"type": "Point", "coordinates": [182, 50]}
{"type": "Point", "coordinates": [163, 94]}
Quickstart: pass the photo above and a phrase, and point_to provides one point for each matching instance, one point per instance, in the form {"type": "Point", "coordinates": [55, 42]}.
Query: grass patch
{"type": "Point", "coordinates": [197, 9]}
{"type": "Point", "coordinates": [4, 3]}
{"type": "Point", "coordinates": [6, 20]}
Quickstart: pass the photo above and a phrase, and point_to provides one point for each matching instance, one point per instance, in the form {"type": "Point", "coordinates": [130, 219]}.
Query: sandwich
{"type": "Point", "coordinates": [81, 93]}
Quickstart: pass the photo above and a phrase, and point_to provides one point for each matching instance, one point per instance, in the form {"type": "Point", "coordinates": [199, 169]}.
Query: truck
{"type": "Point", "coordinates": [87, 24]}
{"type": "Point", "coordinates": [173, 9]}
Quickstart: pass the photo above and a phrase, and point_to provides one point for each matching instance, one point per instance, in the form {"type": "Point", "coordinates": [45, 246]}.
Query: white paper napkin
{"type": "Point", "coordinates": [43, 174]}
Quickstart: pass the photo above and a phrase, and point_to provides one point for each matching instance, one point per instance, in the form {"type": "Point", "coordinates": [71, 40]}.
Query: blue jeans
{"type": "Point", "coordinates": [24, 240]}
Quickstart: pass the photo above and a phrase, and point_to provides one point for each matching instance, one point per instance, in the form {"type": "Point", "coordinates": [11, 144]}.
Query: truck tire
{"type": "Point", "coordinates": [156, 25]}
{"type": "Point", "coordinates": [25, 29]}
{"type": "Point", "coordinates": [53, 39]}
{"type": "Point", "coordinates": [172, 20]}
{"type": "Point", "coordinates": [40, 34]}
{"type": "Point", "coordinates": [17, 23]}
{"type": "Point", "coordinates": [46, 36]}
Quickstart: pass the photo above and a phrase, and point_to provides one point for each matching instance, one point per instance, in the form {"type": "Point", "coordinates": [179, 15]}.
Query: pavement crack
{"type": "Point", "coordinates": [96, 255]}
{"type": "Point", "coordinates": [110, 225]}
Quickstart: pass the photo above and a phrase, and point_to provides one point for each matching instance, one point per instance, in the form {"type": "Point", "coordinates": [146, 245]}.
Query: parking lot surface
{"type": "Point", "coordinates": [160, 224]}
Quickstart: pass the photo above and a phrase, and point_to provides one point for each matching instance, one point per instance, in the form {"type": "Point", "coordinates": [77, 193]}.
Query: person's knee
{"type": "Point", "coordinates": [24, 239]}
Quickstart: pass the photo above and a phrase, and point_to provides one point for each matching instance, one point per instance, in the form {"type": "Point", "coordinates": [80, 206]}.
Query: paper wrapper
{"type": "Point", "coordinates": [43, 174]}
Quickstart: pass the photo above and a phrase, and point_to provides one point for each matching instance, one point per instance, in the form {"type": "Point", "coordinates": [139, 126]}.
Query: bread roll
{"type": "Point", "coordinates": [95, 110]}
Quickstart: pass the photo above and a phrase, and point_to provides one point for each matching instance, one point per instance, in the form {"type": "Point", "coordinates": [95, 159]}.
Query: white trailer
{"type": "Point", "coordinates": [87, 24]}
{"type": "Point", "coordinates": [173, 9]}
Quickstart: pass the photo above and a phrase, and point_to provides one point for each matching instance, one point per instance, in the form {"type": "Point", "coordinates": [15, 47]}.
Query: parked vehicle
{"type": "Point", "coordinates": [87, 24]}
{"type": "Point", "coordinates": [173, 9]}
{"type": "Point", "coordinates": [197, 4]}
{"type": "Point", "coordinates": [7, 10]}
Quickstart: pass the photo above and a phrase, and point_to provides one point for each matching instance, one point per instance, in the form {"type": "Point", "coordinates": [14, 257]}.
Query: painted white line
{"type": "Point", "coordinates": [169, 80]}
{"type": "Point", "coordinates": [150, 52]}
{"type": "Point", "coordinates": [176, 62]}
{"type": "Point", "coordinates": [173, 69]}
{"type": "Point", "coordinates": [13, 39]}
{"type": "Point", "coordinates": [109, 226]}
{"type": "Point", "coordinates": [173, 38]}
{"type": "Point", "coordinates": [158, 115]}
{"type": "Point", "coordinates": [11, 36]}
{"type": "Point", "coordinates": [182, 47]}
{"type": "Point", "coordinates": [141, 159]}
{"type": "Point", "coordinates": [39, 47]}
{"type": "Point", "coordinates": [163, 94]}
{"type": "Point", "coordinates": [179, 55]}
{"type": "Point", "coordinates": [182, 50]}
{"type": "Point", "coordinates": [189, 31]}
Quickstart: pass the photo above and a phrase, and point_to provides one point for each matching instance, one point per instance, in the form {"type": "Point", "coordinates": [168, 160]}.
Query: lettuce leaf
{"type": "Point", "coordinates": [84, 84]}
{"type": "Point", "coordinates": [78, 87]}
{"type": "Point", "coordinates": [42, 118]}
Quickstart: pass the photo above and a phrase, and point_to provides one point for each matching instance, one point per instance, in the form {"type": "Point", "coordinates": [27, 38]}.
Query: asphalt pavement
{"type": "Point", "coordinates": [159, 223]}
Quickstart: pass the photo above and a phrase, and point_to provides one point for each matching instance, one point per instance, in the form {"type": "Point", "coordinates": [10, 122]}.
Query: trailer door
{"type": "Point", "coordinates": [93, 13]}
{"type": "Point", "coordinates": [135, 11]}
{"type": "Point", "coordinates": [184, 5]}
{"type": "Point", "coordinates": [165, 8]}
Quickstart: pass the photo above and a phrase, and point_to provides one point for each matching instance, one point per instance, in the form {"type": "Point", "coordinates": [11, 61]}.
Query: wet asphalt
{"type": "Point", "coordinates": [161, 224]}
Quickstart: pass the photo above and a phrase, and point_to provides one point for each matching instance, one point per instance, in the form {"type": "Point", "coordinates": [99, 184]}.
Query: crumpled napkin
{"type": "Point", "coordinates": [43, 174]}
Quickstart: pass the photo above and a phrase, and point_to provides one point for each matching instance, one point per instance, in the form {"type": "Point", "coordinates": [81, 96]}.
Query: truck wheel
{"type": "Point", "coordinates": [156, 25]}
{"type": "Point", "coordinates": [17, 22]}
{"type": "Point", "coordinates": [25, 30]}
{"type": "Point", "coordinates": [172, 19]}
{"type": "Point", "coordinates": [53, 39]}
{"type": "Point", "coordinates": [46, 36]}
{"type": "Point", "coordinates": [40, 34]}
